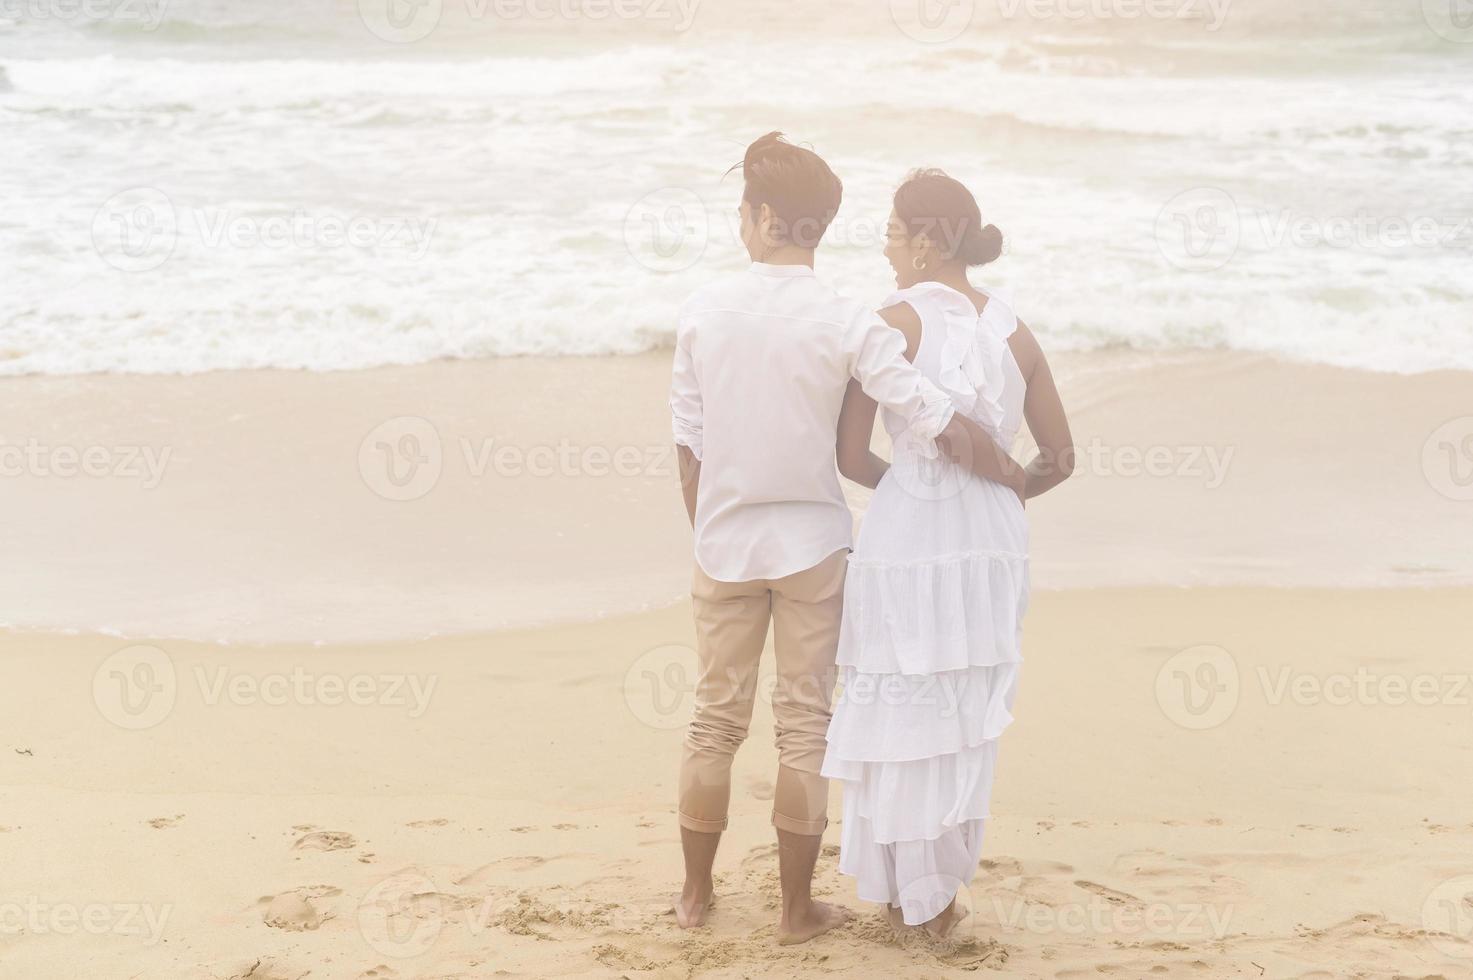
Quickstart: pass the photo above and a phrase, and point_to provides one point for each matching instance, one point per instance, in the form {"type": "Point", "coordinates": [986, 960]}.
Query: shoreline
{"type": "Point", "coordinates": [453, 498]}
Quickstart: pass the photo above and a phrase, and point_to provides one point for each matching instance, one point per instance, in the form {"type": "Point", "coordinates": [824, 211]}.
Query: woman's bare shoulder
{"type": "Point", "coordinates": [1026, 349]}
{"type": "Point", "coordinates": [903, 317]}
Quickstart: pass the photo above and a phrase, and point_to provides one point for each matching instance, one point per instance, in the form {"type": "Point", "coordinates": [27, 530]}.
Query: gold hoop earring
{"type": "Point", "coordinates": [918, 264]}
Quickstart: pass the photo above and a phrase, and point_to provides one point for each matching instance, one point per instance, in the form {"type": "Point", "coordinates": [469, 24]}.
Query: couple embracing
{"type": "Point", "coordinates": [776, 380]}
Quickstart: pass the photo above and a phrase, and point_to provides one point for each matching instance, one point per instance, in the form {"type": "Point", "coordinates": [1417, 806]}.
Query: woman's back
{"type": "Point", "coordinates": [967, 354]}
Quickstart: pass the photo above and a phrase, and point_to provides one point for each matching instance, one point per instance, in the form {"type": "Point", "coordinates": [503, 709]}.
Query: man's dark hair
{"type": "Point", "coordinates": [803, 193]}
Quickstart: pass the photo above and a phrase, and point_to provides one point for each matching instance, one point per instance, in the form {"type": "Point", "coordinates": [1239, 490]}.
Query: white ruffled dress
{"type": "Point", "coordinates": [929, 649]}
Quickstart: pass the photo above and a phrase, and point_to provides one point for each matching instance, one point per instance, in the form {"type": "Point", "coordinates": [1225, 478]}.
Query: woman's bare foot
{"type": "Point", "coordinates": [945, 921]}
{"type": "Point", "coordinates": [814, 919]}
{"type": "Point", "coordinates": [692, 904]}
{"type": "Point", "coordinates": [896, 918]}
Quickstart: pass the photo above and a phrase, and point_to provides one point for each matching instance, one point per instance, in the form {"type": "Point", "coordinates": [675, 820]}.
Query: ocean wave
{"type": "Point", "coordinates": [531, 167]}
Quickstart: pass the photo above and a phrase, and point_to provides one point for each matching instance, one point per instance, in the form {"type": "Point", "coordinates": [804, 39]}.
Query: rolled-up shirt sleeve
{"type": "Point", "coordinates": [685, 396]}
{"type": "Point", "coordinates": [880, 367]}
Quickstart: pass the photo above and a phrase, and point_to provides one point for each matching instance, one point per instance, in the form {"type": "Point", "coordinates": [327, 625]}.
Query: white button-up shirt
{"type": "Point", "coordinates": [762, 360]}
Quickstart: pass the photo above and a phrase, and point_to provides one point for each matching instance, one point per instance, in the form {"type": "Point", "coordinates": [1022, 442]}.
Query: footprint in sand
{"type": "Point", "coordinates": [437, 822]}
{"type": "Point", "coordinates": [485, 872]}
{"type": "Point", "coordinates": [621, 958]}
{"type": "Point", "coordinates": [161, 823]}
{"type": "Point", "coordinates": [522, 830]}
{"type": "Point", "coordinates": [325, 840]}
{"type": "Point", "coordinates": [761, 854]}
{"type": "Point", "coordinates": [972, 954]}
{"type": "Point", "coordinates": [524, 862]}
{"type": "Point", "coordinates": [1108, 894]}
{"type": "Point", "coordinates": [1010, 867]}
{"type": "Point", "coordinates": [564, 826]}
{"type": "Point", "coordinates": [296, 910]}
{"type": "Point", "coordinates": [265, 969]}
{"type": "Point", "coordinates": [380, 972]}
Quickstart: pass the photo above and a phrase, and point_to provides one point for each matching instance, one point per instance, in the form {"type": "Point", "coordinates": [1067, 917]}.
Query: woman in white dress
{"type": "Point", "coordinates": [938, 580]}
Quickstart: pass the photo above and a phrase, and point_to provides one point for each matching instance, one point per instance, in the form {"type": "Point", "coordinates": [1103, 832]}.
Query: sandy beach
{"type": "Point", "coordinates": [508, 810]}
{"type": "Point", "coordinates": [345, 608]}
{"type": "Point", "coordinates": [339, 734]}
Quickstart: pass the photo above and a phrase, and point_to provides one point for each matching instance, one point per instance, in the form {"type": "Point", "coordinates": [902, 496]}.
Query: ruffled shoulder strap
{"type": "Point", "coordinates": [972, 347]}
{"type": "Point", "coordinates": [999, 313]}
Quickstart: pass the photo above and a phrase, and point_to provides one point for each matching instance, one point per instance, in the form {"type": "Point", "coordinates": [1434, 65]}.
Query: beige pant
{"type": "Point", "coordinates": [731, 629]}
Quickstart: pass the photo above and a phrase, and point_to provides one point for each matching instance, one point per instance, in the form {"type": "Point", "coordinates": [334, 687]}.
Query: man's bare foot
{"type": "Point", "coordinates": [945, 921]}
{"type": "Point", "coordinates": [816, 919]}
{"type": "Point", "coordinates": [692, 904]}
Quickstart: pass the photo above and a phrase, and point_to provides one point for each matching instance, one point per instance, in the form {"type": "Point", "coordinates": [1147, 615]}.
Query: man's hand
{"type": "Point", "coordinates": [971, 448]}
{"type": "Point", "coordinates": [690, 479]}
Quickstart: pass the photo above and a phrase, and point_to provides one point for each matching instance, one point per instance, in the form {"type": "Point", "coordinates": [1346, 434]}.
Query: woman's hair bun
{"type": "Point", "coordinates": [981, 246]}
{"type": "Point", "coordinates": [941, 208]}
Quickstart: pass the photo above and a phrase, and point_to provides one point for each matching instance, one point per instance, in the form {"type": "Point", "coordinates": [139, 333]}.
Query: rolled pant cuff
{"type": "Point", "coordinates": [809, 828]}
{"type": "Point", "coordinates": [703, 826]}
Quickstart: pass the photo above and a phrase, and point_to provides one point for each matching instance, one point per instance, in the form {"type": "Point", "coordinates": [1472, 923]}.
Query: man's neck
{"type": "Point", "coordinates": [789, 255]}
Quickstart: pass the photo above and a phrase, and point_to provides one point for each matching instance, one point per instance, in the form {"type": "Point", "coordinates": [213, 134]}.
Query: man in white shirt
{"type": "Point", "coordinates": [762, 361]}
